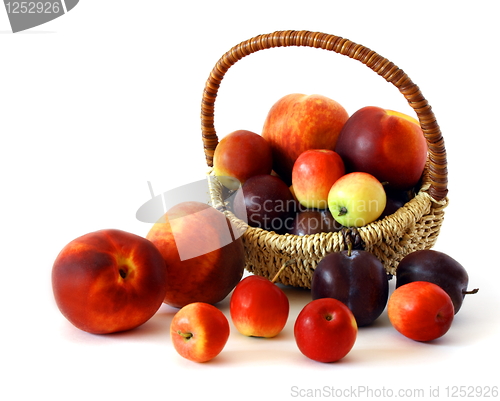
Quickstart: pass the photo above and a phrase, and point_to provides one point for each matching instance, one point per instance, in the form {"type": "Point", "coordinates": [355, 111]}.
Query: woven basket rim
{"type": "Point", "coordinates": [415, 208]}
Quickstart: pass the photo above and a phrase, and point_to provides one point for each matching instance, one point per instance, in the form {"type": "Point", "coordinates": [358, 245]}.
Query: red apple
{"type": "Point", "coordinates": [299, 122]}
{"type": "Point", "coordinates": [241, 155]}
{"type": "Point", "coordinates": [258, 307]}
{"type": "Point", "coordinates": [387, 144]}
{"type": "Point", "coordinates": [313, 174]}
{"type": "Point", "coordinates": [204, 258]}
{"type": "Point", "coordinates": [109, 281]}
{"type": "Point", "coordinates": [199, 332]}
{"type": "Point", "coordinates": [356, 199]}
{"type": "Point", "coordinates": [420, 310]}
{"type": "Point", "coordinates": [325, 330]}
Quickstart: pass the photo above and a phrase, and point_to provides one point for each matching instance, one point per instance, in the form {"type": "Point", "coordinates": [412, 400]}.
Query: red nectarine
{"type": "Point", "coordinates": [241, 155]}
{"type": "Point", "coordinates": [204, 257]}
{"type": "Point", "coordinates": [387, 144]}
{"type": "Point", "coordinates": [109, 281]}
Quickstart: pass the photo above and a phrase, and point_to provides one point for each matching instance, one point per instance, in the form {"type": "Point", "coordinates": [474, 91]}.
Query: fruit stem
{"type": "Point", "coordinates": [342, 211]}
{"type": "Point", "coordinates": [287, 263]}
{"type": "Point", "coordinates": [474, 291]}
{"type": "Point", "coordinates": [186, 336]}
{"type": "Point", "coordinates": [348, 240]}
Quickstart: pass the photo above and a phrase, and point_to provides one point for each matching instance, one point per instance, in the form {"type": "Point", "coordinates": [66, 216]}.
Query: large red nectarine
{"type": "Point", "coordinates": [297, 123]}
{"type": "Point", "coordinates": [204, 256]}
{"type": "Point", "coordinates": [387, 144]}
{"type": "Point", "coordinates": [109, 281]}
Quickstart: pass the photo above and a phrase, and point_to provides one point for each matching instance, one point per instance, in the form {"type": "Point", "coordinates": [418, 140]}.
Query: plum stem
{"type": "Point", "coordinates": [474, 291]}
{"type": "Point", "coordinates": [186, 336]}
{"type": "Point", "coordinates": [348, 240]}
{"type": "Point", "coordinates": [283, 267]}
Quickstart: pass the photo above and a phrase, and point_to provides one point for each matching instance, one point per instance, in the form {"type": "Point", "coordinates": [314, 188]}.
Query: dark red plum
{"type": "Point", "coordinates": [356, 278]}
{"type": "Point", "coordinates": [438, 268]}
{"type": "Point", "coordinates": [265, 201]}
{"type": "Point", "coordinates": [395, 200]}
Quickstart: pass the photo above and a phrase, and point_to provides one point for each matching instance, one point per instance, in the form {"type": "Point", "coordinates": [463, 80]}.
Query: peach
{"type": "Point", "coordinates": [298, 122]}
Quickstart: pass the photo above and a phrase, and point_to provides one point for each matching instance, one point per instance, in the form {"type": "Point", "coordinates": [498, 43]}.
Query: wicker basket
{"type": "Point", "coordinates": [414, 226]}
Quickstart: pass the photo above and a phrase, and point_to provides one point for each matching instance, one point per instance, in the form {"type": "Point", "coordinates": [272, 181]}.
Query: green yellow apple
{"type": "Point", "coordinates": [356, 199]}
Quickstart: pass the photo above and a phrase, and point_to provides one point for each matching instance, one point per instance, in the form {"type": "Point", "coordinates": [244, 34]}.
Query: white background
{"type": "Point", "coordinates": [95, 104]}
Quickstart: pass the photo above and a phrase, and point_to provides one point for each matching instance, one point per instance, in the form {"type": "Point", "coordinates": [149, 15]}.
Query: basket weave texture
{"type": "Point", "coordinates": [414, 226]}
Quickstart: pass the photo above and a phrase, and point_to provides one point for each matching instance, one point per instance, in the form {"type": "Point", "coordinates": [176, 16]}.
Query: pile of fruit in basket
{"type": "Point", "coordinates": [313, 169]}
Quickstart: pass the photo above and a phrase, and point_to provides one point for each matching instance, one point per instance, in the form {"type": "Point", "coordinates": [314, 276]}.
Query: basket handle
{"type": "Point", "coordinates": [437, 162]}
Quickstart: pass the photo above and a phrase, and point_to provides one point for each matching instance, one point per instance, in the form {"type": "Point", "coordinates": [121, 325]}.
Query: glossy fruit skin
{"type": "Point", "coordinates": [313, 174]}
{"type": "Point", "coordinates": [359, 281]}
{"type": "Point", "coordinates": [435, 267]}
{"type": "Point", "coordinates": [356, 199]}
{"type": "Point", "coordinates": [109, 281]}
{"type": "Point", "coordinates": [241, 155]}
{"type": "Point", "coordinates": [258, 307]}
{"type": "Point", "coordinates": [208, 330]}
{"type": "Point", "coordinates": [420, 310]}
{"type": "Point", "coordinates": [387, 144]}
{"type": "Point", "coordinates": [325, 330]}
{"type": "Point", "coordinates": [299, 122]}
{"type": "Point", "coordinates": [204, 259]}
{"type": "Point", "coordinates": [313, 221]}
{"type": "Point", "coordinates": [265, 201]}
